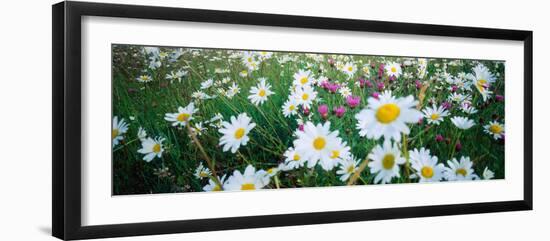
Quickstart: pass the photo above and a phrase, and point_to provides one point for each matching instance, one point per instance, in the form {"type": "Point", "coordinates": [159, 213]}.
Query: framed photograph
{"type": "Point", "coordinates": [169, 120]}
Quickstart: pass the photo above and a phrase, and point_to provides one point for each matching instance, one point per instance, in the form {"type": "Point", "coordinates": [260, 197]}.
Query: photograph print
{"type": "Point", "coordinates": [191, 119]}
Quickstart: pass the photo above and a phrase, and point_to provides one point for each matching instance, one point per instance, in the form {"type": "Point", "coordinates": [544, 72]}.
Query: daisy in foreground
{"type": "Point", "coordinates": [482, 79]}
{"type": "Point", "coordinates": [316, 143]}
{"type": "Point", "coordinates": [393, 69]}
{"type": "Point", "coordinates": [235, 133]}
{"type": "Point", "coordinates": [462, 122]}
{"type": "Point", "coordinates": [426, 166]}
{"type": "Point", "coordinates": [119, 128]}
{"type": "Point", "coordinates": [183, 115]}
{"type": "Point", "coordinates": [460, 171]}
{"type": "Point", "coordinates": [202, 171]}
{"type": "Point", "coordinates": [349, 69]}
{"type": "Point", "coordinates": [305, 96]}
{"type": "Point", "coordinates": [151, 148]}
{"type": "Point", "coordinates": [292, 159]}
{"type": "Point", "coordinates": [258, 94]}
{"type": "Point", "coordinates": [302, 78]}
{"type": "Point", "coordinates": [435, 114]}
{"type": "Point", "coordinates": [212, 186]}
{"type": "Point", "coordinates": [290, 107]}
{"type": "Point", "coordinates": [385, 162]}
{"type": "Point", "coordinates": [387, 116]}
{"type": "Point", "coordinates": [249, 180]}
{"type": "Point", "coordinates": [347, 168]}
{"type": "Point", "coordinates": [494, 129]}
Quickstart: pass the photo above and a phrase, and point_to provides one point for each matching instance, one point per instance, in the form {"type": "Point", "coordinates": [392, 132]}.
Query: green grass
{"type": "Point", "coordinates": [148, 103]}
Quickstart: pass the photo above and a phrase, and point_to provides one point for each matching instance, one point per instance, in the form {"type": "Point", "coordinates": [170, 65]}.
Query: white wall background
{"type": "Point", "coordinates": [25, 119]}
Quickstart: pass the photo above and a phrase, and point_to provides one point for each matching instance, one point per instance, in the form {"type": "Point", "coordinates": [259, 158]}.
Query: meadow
{"type": "Point", "coordinates": [193, 120]}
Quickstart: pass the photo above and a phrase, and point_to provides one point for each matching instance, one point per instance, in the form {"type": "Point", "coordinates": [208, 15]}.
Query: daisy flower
{"type": "Point", "coordinates": [467, 108]}
{"type": "Point", "coordinates": [233, 90]}
{"type": "Point", "coordinates": [460, 171]}
{"type": "Point", "coordinates": [488, 174]}
{"type": "Point", "coordinates": [305, 96]}
{"type": "Point", "coordinates": [292, 159]}
{"type": "Point", "coordinates": [142, 134]}
{"type": "Point", "coordinates": [495, 129]}
{"type": "Point", "coordinates": [183, 115]}
{"type": "Point", "coordinates": [200, 95]}
{"type": "Point", "coordinates": [151, 148]}
{"type": "Point", "coordinates": [347, 168]}
{"type": "Point", "coordinates": [243, 73]}
{"type": "Point", "coordinates": [457, 98]}
{"type": "Point", "coordinates": [201, 171]}
{"type": "Point", "coordinates": [435, 114]}
{"type": "Point", "coordinates": [212, 186]}
{"type": "Point", "coordinates": [385, 162]}
{"type": "Point", "coordinates": [249, 180]}
{"type": "Point", "coordinates": [387, 116]}
{"type": "Point", "coordinates": [302, 78]}
{"type": "Point", "coordinates": [462, 122]}
{"type": "Point", "coordinates": [144, 79]}
{"type": "Point", "coordinates": [344, 91]}
{"type": "Point", "coordinates": [235, 133]}
{"type": "Point", "coordinates": [426, 166]}
{"type": "Point", "coordinates": [316, 143]}
{"type": "Point", "coordinates": [258, 94]}
{"type": "Point", "coordinates": [248, 58]}
{"type": "Point", "coordinates": [393, 69]}
{"type": "Point", "coordinates": [290, 107]}
{"type": "Point", "coordinates": [207, 84]}
{"type": "Point", "coordinates": [119, 128]}
{"type": "Point", "coordinates": [273, 171]}
{"type": "Point", "coordinates": [338, 152]}
{"type": "Point", "coordinates": [422, 67]}
{"type": "Point", "coordinates": [349, 69]}
{"type": "Point", "coordinates": [482, 79]}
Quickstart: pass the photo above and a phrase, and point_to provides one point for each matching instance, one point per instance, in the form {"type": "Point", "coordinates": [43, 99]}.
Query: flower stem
{"type": "Point", "coordinates": [357, 174]}
{"type": "Point", "coordinates": [205, 156]}
{"type": "Point", "coordinates": [406, 154]}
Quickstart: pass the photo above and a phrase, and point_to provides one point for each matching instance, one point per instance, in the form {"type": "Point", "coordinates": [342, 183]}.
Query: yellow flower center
{"type": "Point", "coordinates": [481, 84]}
{"type": "Point", "coordinates": [427, 172]}
{"type": "Point", "coordinates": [291, 107]}
{"type": "Point", "coordinates": [434, 116]}
{"type": "Point", "coordinates": [203, 174]}
{"type": "Point", "coordinates": [249, 60]}
{"type": "Point", "coordinates": [351, 169]}
{"type": "Point", "coordinates": [319, 143]}
{"type": "Point", "coordinates": [304, 80]}
{"type": "Point", "coordinates": [388, 161]}
{"type": "Point", "coordinates": [156, 148]}
{"type": "Point", "coordinates": [114, 133]}
{"type": "Point", "coordinates": [216, 188]}
{"type": "Point", "coordinates": [261, 93]}
{"type": "Point", "coordinates": [239, 133]}
{"type": "Point", "coordinates": [248, 186]}
{"type": "Point", "coordinates": [335, 154]}
{"type": "Point", "coordinates": [270, 170]}
{"type": "Point", "coordinates": [350, 68]}
{"type": "Point", "coordinates": [387, 113]}
{"type": "Point", "coordinates": [296, 157]}
{"type": "Point", "coordinates": [496, 129]}
{"type": "Point", "coordinates": [461, 171]}
{"type": "Point", "coordinates": [393, 69]}
{"type": "Point", "coordinates": [183, 117]}
{"type": "Point", "coordinates": [305, 96]}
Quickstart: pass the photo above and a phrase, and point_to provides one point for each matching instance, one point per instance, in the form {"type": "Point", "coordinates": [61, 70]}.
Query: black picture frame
{"type": "Point", "coordinates": [67, 136]}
